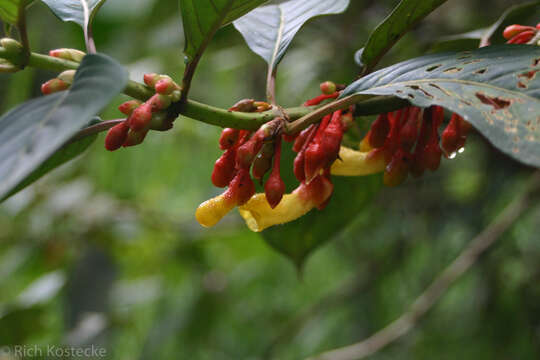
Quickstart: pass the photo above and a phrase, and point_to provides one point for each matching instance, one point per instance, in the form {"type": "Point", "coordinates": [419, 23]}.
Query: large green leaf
{"type": "Point", "coordinates": [298, 239]}
{"type": "Point", "coordinates": [32, 132]}
{"type": "Point", "coordinates": [81, 12]}
{"type": "Point", "coordinates": [202, 18]}
{"type": "Point", "coordinates": [517, 14]}
{"type": "Point", "coordinates": [405, 16]}
{"type": "Point", "coordinates": [496, 88]}
{"type": "Point", "coordinates": [11, 9]}
{"type": "Point", "coordinates": [269, 30]}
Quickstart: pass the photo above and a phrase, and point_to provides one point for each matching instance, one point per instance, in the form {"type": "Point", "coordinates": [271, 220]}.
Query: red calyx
{"type": "Point", "coordinates": [409, 131]}
{"type": "Point", "coordinates": [513, 30]}
{"type": "Point", "coordinates": [397, 170]}
{"type": "Point", "coordinates": [135, 137]}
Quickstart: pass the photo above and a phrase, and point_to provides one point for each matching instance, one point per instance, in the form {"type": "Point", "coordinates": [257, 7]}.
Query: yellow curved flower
{"type": "Point", "coordinates": [211, 211]}
{"type": "Point", "coordinates": [358, 163]}
{"type": "Point", "coordinates": [259, 215]}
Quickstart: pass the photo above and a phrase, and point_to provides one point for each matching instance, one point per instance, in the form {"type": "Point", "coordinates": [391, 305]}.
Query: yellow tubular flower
{"type": "Point", "coordinates": [211, 211]}
{"type": "Point", "coordinates": [357, 163]}
{"type": "Point", "coordinates": [259, 215]}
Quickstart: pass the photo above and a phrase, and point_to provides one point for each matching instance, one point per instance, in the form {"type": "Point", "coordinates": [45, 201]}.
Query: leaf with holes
{"type": "Point", "coordinates": [81, 12]}
{"type": "Point", "coordinates": [35, 130]}
{"type": "Point", "coordinates": [202, 18]}
{"type": "Point", "coordinates": [517, 14]}
{"type": "Point", "coordinates": [496, 88]}
{"type": "Point", "coordinates": [10, 10]}
{"type": "Point", "coordinates": [405, 16]}
{"type": "Point", "coordinates": [269, 30]}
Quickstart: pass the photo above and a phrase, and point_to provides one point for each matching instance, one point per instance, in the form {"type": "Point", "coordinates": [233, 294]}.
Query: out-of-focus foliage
{"type": "Point", "coordinates": [106, 250]}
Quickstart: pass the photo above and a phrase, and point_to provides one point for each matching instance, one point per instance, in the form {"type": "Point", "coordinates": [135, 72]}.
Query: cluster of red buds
{"type": "Point", "coordinates": [143, 117]}
{"type": "Point", "coordinates": [520, 34]}
{"type": "Point", "coordinates": [317, 146]}
{"type": "Point", "coordinates": [408, 140]}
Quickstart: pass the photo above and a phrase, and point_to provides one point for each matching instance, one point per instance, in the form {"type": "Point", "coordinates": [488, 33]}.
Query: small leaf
{"type": "Point", "coordinates": [10, 10]}
{"type": "Point", "coordinates": [32, 132]}
{"type": "Point", "coordinates": [269, 30]}
{"type": "Point", "coordinates": [496, 88]}
{"type": "Point", "coordinates": [404, 17]}
{"type": "Point", "coordinates": [202, 18]}
{"type": "Point", "coordinates": [65, 154]}
{"type": "Point", "coordinates": [81, 12]}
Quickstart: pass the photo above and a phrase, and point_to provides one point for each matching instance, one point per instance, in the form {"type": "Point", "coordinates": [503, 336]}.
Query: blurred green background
{"type": "Point", "coordinates": [106, 250]}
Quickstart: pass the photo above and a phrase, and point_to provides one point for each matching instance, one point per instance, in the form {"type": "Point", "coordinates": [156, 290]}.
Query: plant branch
{"type": "Point", "coordinates": [440, 285]}
{"type": "Point", "coordinates": [23, 33]}
{"type": "Point", "coordinates": [365, 105]}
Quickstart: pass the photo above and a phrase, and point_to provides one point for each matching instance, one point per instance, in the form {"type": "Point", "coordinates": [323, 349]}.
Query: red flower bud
{"type": "Point", "coordinates": [409, 131]}
{"type": "Point", "coordinates": [151, 79]}
{"type": "Point", "coordinates": [328, 87]}
{"type": "Point", "coordinates": [128, 107]}
{"type": "Point", "coordinates": [159, 102]}
{"type": "Point", "coordinates": [318, 99]}
{"type": "Point", "coordinates": [116, 136]}
{"type": "Point", "coordinates": [141, 117]}
{"type": "Point", "coordinates": [245, 105]}
{"type": "Point", "coordinates": [275, 187]}
{"type": "Point", "coordinates": [165, 86]}
{"type": "Point", "coordinates": [379, 131]}
{"type": "Point", "coordinates": [54, 85]}
{"type": "Point", "coordinates": [450, 138]}
{"type": "Point", "coordinates": [246, 153]}
{"type": "Point", "coordinates": [228, 138]}
{"type": "Point", "coordinates": [513, 30]}
{"type": "Point", "coordinates": [302, 138]}
{"type": "Point", "coordinates": [224, 169]}
{"type": "Point", "coordinates": [331, 139]}
{"type": "Point", "coordinates": [523, 37]}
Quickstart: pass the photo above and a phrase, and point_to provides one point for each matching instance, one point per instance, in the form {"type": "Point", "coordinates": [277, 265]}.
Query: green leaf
{"type": "Point", "coordinates": [81, 12]}
{"type": "Point", "coordinates": [517, 14]}
{"type": "Point", "coordinates": [404, 17]}
{"type": "Point", "coordinates": [298, 239]}
{"type": "Point", "coordinates": [32, 132]}
{"type": "Point", "coordinates": [66, 153]}
{"type": "Point", "coordinates": [202, 18]}
{"type": "Point", "coordinates": [496, 88]}
{"type": "Point", "coordinates": [270, 29]}
{"type": "Point", "coordinates": [11, 9]}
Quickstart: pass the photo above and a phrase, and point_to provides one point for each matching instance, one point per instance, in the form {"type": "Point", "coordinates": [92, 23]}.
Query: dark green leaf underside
{"type": "Point", "coordinates": [495, 88]}
{"type": "Point", "coordinates": [32, 132]}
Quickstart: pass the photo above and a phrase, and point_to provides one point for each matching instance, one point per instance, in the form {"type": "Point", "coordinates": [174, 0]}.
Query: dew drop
{"type": "Point", "coordinates": [452, 155]}
{"type": "Point", "coordinates": [461, 150]}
